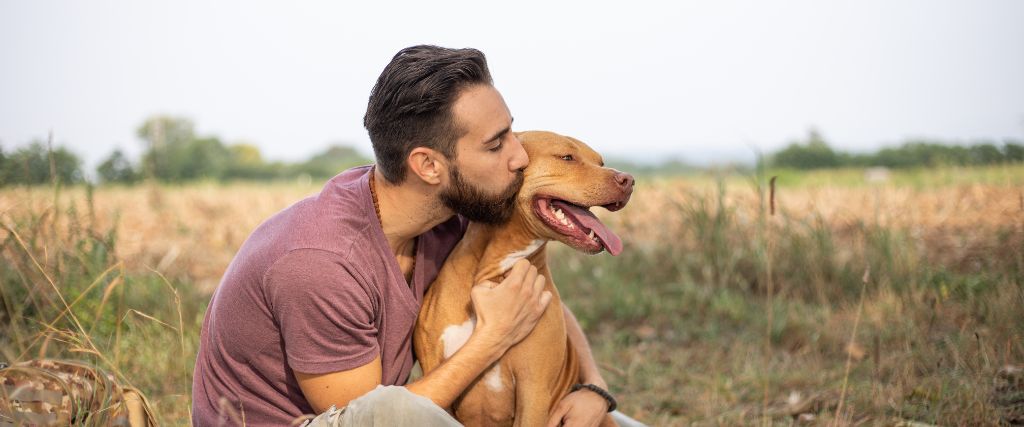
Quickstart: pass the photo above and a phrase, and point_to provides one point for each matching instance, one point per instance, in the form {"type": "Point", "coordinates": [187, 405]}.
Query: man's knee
{"type": "Point", "coordinates": [390, 397]}
{"type": "Point", "coordinates": [395, 405]}
{"type": "Point", "coordinates": [624, 420]}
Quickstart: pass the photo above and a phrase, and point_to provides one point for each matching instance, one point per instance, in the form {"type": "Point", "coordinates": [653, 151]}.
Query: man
{"type": "Point", "coordinates": [317, 308]}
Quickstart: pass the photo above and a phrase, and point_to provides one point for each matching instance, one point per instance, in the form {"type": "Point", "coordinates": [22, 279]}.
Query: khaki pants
{"type": "Point", "coordinates": [397, 406]}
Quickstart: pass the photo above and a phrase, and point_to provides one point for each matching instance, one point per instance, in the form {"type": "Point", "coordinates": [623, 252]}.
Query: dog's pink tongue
{"type": "Point", "coordinates": [611, 242]}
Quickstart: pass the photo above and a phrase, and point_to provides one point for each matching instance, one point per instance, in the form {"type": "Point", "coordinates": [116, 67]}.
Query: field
{"type": "Point", "coordinates": [841, 300]}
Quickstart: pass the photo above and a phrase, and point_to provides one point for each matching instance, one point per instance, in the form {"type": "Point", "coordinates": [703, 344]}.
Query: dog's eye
{"type": "Point", "coordinates": [567, 157]}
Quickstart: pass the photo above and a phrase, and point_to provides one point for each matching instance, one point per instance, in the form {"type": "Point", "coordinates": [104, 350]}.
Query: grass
{"type": "Point", "coordinates": [65, 294]}
{"type": "Point", "coordinates": [682, 322]}
{"type": "Point", "coordinates": [687, 312]}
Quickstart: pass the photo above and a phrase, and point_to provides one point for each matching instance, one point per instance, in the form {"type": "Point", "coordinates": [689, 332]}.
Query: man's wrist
{"type": "Point", "coordinates": [595, 380]}
{"type": "Point", "coordinates": [600, 391]}
{"type": "Point", "coordinates": [490, 345]}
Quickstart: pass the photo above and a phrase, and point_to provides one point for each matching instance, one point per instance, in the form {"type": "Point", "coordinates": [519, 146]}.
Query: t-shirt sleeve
{"type": "Point", "coordinates": [324, 310]}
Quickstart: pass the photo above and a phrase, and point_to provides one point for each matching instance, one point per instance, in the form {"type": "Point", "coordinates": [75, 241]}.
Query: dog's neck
{"type": "Point", "coordinates": [500, 246]}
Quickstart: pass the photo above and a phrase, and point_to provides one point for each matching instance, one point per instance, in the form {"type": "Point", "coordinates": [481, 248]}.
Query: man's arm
{"type": "Point", "coordinates": [506, 313]}
{"type": "Point", "coordinates": [338, 388]}
{"type": "Point", "coordinates": [582, 407]}
{"type": "Point", "coordinates": [589, 374]}
{"type": "Point", "coordinates": [445, 383]}
{"type": "Point", "coordinates": [442, 385]}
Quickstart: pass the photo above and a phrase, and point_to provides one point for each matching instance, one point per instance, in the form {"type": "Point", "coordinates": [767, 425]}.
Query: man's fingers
{"type": "Point", "coordinates": [531, 276]}
{"type": "Point", "coordinates": [518, 272]}
{"type": "Point", "coordinates": [545, 299]}
{"type": "Point", "coordinates": [556, 416]}
{"type": "Point", "coordinates": [484, 286]}
{"type": "Point", "coordinates": [538, 284]}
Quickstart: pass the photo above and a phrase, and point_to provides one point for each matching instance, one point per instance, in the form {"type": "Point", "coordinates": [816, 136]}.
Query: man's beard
{"type": "Point", "coordinates": [473, 203]}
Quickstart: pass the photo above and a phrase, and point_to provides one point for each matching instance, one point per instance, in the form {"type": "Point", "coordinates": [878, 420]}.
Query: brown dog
{"type": "Point", "coordinates": [565, 177]}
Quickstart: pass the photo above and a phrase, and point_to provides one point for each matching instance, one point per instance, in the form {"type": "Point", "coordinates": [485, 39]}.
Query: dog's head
{"type": "Point", "coordinates": [564, 180]}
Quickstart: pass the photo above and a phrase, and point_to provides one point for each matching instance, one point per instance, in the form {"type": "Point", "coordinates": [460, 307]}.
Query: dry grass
{"type": "Point", "coordinates": [679, 321]}
{"type": "Point", "coordinates": [187, 232]}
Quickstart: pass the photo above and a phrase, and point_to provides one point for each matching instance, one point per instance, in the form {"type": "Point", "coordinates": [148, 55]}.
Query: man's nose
{"type": "Point", "coordinates": [519, 158]}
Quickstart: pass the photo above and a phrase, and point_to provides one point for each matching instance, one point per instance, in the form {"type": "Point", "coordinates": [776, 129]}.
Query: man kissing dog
{"type": "Point", "coordinates": [317, 309]}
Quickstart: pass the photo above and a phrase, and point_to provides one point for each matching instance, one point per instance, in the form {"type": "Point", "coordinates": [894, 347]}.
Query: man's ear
{"type": "Point", "coordinates": [427, 165]}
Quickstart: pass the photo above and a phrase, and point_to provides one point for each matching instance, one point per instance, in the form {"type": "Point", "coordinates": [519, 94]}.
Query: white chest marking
{"type": "Point", "coordinates": [493, 378]}
{"type": "Point", "coordinates": [506, 264]}
{"type": "Point", "coordinates": [455, 336]}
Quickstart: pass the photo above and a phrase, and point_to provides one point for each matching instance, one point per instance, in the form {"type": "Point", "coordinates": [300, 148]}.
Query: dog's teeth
{"type": "Point", "coordinates": [559, 214]}
{"type": "Point", "coordinates": [591, 235]}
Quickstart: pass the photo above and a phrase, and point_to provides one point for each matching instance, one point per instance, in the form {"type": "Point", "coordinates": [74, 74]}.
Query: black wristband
{"type": "Point", "coordinates": [600, 391]}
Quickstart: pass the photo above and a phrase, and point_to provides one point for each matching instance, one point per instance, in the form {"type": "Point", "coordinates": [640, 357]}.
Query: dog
{"type": "Point", "coordinates": [564, 179]}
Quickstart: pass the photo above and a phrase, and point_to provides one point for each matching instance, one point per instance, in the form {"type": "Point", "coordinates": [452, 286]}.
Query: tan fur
{"type": "Point", "coordinates": [539, 371]}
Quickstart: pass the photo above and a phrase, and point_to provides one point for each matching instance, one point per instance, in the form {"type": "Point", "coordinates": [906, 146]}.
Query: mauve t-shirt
{"type": "Point", "coordinates": [314, 289]}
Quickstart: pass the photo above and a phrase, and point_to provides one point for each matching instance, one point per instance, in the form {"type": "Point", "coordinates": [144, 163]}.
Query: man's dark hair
{"type": "Point", "coordinates": [411, 104]}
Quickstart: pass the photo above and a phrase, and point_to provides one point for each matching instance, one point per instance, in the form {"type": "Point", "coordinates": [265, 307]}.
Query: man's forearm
{"type": "Point", "coordinates": [445, 383]}
{"type": "Point", "coordinates": [506, 313]}
{"type": "Point", "coordinates": [588, 367]}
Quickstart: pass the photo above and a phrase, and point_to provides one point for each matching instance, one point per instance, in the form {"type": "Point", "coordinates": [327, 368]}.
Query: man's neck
{"type": "Point", "coordinates": [407, 210]}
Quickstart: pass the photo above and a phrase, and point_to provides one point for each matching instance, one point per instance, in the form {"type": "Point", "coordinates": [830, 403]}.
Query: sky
{"type": "Point", "coordinates": [708, 81]}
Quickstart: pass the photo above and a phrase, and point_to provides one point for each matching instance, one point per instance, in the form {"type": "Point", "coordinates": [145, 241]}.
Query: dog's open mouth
{"type": "Point", "coordinates": [583, 230]}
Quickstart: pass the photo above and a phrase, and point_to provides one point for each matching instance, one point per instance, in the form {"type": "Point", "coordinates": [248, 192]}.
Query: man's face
{"type": "Point", "coordinates": [485, 176]}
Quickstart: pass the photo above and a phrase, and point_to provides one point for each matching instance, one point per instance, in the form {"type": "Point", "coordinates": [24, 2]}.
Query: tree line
{"type": "Point", "coordinates": [172, 152]}
{"type": "Point", "coordinates": [815, 153]}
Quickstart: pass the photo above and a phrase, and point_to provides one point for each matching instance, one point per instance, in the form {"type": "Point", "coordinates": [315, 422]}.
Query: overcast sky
{"type": "Point", "coordinates": [703, 81]}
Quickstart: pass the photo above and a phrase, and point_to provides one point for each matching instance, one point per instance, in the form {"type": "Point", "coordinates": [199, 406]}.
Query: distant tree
{"type": "Point", "coordinates": [175, 153]}
{"type": "Point", "coordinates": [915, 153]}
{"type": "Point", "coordinates": [4, 168]}
{"type": "Point", "coordinates": [912, 153]}
{"type": "Point", "coordinates": [245, 154]}
{"type": "Point", "coordinates": [669, 166]}
{"type": "Point", "coordinates": [332, 161]}
{"type": "Point", "coordinates": [37, 164]}
{"type": "Point", "coordinates": [203, 158]}
{"type": "Point", "coordinates": [1013, 151]}
{"type": "Point", "coordinates": [246, 162]}
{"type": "Point", "coordinates": [117, 169]}
{"type": "Point", "coordinates": [167, 141]}
{"type": "Point", "coordinates": [813, 153]}
{"type": "Point", "coordinates": [985, 154]}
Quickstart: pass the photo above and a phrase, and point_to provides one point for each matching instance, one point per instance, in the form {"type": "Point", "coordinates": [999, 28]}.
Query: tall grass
{"type": "Point", "coordinates": [65, 294]}
{"type": "Point", "coordinates": [681, 322]}
{"type": "Point", "coordinates": [921, 340]}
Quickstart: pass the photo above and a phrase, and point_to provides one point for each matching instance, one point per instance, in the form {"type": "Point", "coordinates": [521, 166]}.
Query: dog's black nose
{"type": "Point", "coordinates": [624, 181]}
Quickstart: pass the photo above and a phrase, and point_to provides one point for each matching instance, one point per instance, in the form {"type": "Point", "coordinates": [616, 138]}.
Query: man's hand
{"type": "Point", "coordinates": [582, 408]}
{"type": "Point", "coordinates": [507, 312]}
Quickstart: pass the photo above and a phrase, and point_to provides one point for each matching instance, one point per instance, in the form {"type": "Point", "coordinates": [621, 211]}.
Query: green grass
{"type": "Point", "coordinates": [689, 334]}
{"type": "Point", "coordinates": [684, 327]}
